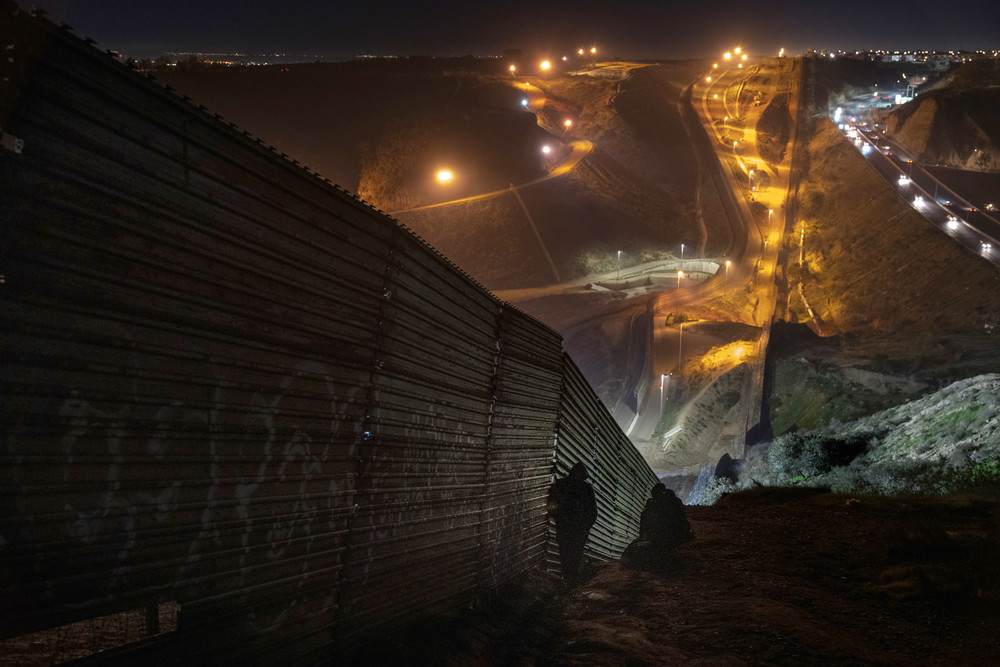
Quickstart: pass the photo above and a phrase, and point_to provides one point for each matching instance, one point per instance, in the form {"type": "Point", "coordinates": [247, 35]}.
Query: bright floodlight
{"type": "Point", "coordinates": [564, 57]}
{"type": "Point", "coordinates": [580, 52]}
{"type": "Point", "coordinates": [512, 68]}
{"type": "Point", "coordinates": [524, 101]}
{"type": "Point", "coordinates": [567, 122]}
{"type": "Point", "coordinates": [546, 149]}
{"type": "Point", "coordinates": [708, 79]}
{"type": "Point", "coordinates": [744, 56]}
{"type": "Point", "coordinates": [546, 64]}
{"type": "Point", "coordinates": [715, 65]}
{"type": "Point", "coordinates": [737, 50]}
{"type": "Point", "coordinates": [444, 175]}
{"type": "Point", "coordinates": [593, 49]}
{"type": "Point", "coordinates": [727, 55]}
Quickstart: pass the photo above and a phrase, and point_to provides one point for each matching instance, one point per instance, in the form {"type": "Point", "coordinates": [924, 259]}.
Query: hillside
{"type": "Point", "coordinates": [958, 129]}
{"type": "Point", "coordinates": [895, 298]}
{"type": "Point", "coordinates": [953, 121]}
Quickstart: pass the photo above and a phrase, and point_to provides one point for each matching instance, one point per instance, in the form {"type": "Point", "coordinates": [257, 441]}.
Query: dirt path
{"type": "Point", "coordinates": [774, 576]}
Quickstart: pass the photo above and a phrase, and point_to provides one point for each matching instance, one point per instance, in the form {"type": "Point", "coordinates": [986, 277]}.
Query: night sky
{"type": "Point", "coordinates": [626, 28]}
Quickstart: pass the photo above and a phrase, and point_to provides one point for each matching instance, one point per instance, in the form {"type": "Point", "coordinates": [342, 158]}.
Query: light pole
{"type": "Point", "coordinates": [725, 289]}
{"type": "Point", "coordinates": [680, 344]}
{"type": "Point", "coordinates": [682, 252]}
{"type": "Point", "coordinates": [619, 265]}
{"type": "Point", "coordinates": [568, 123]}
{"type": "Point", "coordinates": [662, 376]}
{"type": "Point", "coordinates": [680, 274]}
{"type": "Point", "coordinates": [802, 242]}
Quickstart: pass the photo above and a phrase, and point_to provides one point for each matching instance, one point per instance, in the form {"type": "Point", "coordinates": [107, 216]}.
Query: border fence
{"type": "Point", "coordinates": [230, 386]}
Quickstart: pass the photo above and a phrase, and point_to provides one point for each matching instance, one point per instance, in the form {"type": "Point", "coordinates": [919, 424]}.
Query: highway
{"type": "Point", "coordinates": [944, 209]}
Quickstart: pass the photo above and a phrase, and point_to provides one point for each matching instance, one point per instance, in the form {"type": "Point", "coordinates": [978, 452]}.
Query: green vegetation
{"type": "Point", "coordinates": [946, 443]}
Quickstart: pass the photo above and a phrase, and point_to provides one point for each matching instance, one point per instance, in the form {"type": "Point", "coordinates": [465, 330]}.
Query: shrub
{"type": "Point", "coordinates": [809, 454]}
{"type": "Point", "coordinates": [710, 491]}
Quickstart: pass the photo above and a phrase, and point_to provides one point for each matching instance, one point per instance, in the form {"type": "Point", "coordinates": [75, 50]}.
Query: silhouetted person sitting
{"type": "Point", "coordinates": [572, 504]}
{"type": "Point", "coordinates": [663, 522]}
{"type": "Point", "coordinates": [662, 528]}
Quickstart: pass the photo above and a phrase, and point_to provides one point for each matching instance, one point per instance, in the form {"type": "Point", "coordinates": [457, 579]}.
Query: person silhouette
{"type": "Point", "coordinates": [662, 522]}
{"type": "Point", "coordinates": [573, 506]}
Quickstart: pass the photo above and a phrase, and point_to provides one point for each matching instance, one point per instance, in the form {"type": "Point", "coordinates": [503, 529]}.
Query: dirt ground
{"type": "Point", "coordinates": [773, 577]}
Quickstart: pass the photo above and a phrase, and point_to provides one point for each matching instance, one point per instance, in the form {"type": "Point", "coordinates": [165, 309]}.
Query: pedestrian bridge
{"type": "Point", "coordinates": [245, 405]}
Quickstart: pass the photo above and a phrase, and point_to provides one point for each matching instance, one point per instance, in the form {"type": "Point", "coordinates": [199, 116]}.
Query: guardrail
{"type": "Point", "coordinates": [229, 385]}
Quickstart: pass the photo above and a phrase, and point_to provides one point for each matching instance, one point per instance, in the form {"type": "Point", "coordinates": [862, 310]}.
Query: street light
{"type": "Point", "coordinates": [680, 274]}
{"type": "Point", "coordinates": [662, 377]}
{"type": "Point", "coordinates": [445, 175]}
{"type": "Point", "coordinates": [726, 287]}
{"type": "Point", "coordinates": [680, 348]}
{"type": "Point", "coordinates": [568, 123]}
{"type": "Point", "coordinates": [682, 252]}
{"type": "Point", "coordinates": [545, 65]}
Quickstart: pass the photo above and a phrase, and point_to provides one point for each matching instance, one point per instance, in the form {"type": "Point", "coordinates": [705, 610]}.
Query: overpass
{"type": "Point", "coordinates": [245, 405]}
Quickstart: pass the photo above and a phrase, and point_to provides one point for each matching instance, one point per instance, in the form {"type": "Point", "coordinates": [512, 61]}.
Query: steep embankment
{"type": "Point", "coordinates": [901, 307]}
{"type": "Point", "coordinates": [958, 129]}
{"type": "Point", "coordinates": [953, 121]}
{"type": "Point", "coordinates": [874, 268]}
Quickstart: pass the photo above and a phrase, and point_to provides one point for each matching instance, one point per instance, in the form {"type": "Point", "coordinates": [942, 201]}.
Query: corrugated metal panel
{"type": "Point", "coordinates": [620, 477]}
{"type": "Point", "coordinates": [226, 382]}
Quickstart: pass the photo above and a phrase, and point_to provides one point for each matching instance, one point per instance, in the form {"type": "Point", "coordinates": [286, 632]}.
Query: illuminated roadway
{"type": "Point", "coordinates": [946, 210]}
{"type": "Point", "coordinates": [754, 250]}
{"type": "Point", "coordinates": [580, 148]}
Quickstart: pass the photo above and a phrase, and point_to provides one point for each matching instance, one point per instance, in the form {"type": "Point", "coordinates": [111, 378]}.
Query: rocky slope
{"type": "Point", "coordinates": [954, 121]}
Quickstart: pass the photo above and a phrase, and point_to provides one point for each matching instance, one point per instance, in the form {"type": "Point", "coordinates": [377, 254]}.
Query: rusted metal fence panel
{"type": "Point", "coordinates": [229, 384]}
{"type": "Point", "coordinates": [620, 477]}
